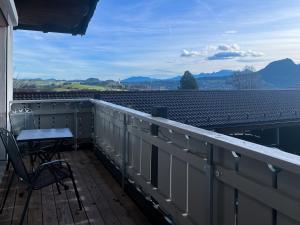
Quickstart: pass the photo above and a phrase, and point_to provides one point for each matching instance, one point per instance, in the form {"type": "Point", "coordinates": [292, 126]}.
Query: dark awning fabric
{"type": "Point", "coordinates": [61, 16]}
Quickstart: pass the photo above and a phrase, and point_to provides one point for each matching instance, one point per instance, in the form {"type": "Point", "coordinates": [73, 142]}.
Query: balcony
{"type": "Point", "coordinates": [187, 175]}
{"type": "Point", "coordinates": [103, 199]}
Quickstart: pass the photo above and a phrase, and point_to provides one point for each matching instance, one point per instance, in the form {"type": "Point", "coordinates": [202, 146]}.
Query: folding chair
{"type": "Point", "coordinates": [46, 174]}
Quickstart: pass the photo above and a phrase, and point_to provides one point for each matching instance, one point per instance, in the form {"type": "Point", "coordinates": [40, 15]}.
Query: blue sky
{"type": "Point", "coordinates": [163, 38]}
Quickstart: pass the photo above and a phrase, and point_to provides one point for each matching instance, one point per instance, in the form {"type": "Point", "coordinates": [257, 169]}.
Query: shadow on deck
{"type": "Point", "coordinates": [104, 201]}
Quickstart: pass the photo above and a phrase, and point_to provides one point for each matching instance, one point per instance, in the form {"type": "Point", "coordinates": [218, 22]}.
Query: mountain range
{"type": "Point", "coordinates": [279, 74]}
{"type": "Point", "coordinates": [282, 74]}
{"type": "Point", "coordinates": [138, 79]}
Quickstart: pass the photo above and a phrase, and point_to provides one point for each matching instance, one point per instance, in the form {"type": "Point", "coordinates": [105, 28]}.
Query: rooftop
{"type": "Point", "coordinates": [215, 109]}
{"type": "Point", "coordinates": [205, 109]}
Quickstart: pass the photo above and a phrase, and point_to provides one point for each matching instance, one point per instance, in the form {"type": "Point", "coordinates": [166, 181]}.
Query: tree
{"type": "Point", "coordinates": [188, 82]}
{"type": "Point", "coordinates": [246, 79]}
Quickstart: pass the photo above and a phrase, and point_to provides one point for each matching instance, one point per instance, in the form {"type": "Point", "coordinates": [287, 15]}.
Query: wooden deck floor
{"type": "Point", "coordinates": [103, 199]}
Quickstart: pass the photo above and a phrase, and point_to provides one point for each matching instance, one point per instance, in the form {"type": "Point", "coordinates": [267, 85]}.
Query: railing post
{"type": "Point", "coordinates": [76, 127]}
{"type": "Point", "coordinates": [210, 174]}
{"type": "Point", "coordinates": [124, 150]}
{"type": "Point", "coordinates": [154, 158]}
{"type": "Point", "coordinates": [156, 112]}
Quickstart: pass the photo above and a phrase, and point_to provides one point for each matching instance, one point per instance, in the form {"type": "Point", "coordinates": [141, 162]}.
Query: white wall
{"type": "Point", "coordinates": [9, 65]}
{"type": "Point", "coordinates": [3, 76]}
{"type": "Point", "coordinates": [10, 19]}
{"type": "Point", "coordinates": [3, 89]}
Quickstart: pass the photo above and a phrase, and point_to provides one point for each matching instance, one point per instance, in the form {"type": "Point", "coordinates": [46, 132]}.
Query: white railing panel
{"type": "Point", "coordinates": [202, 177]}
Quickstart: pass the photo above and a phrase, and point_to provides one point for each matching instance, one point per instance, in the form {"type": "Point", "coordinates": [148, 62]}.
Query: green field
{"type": "Point", "coordinates": [56, 85]}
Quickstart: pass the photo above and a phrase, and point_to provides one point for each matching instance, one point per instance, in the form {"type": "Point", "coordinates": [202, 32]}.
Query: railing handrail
{"type": "Point", "coordinates": [273, 156]}
{"type": "Point", "coordinates": [188, 172]}
{"type": "Point", "coordinates": [48, 100]}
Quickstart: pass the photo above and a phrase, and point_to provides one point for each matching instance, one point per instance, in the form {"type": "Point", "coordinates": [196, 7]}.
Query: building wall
{"type": "Point", "coordinates": [9, 74]}
{"type": "Point", "coordinates": [8, 19]}
{"type": "Point", "coordinates": [3, 75]}
{"type": "Point", "coordinates": [3, 83]}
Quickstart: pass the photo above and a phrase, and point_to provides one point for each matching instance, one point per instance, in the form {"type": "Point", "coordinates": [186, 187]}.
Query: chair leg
{"type": "Point", "coordinates": [58, 188]}
{"type": "Point", "coordinates": [7, 165]}
{"type": "Point", "coordinates": [7, 191]}
{"type": "Point", "coordinates": [26, 206]}
{"type": "Point", "coordinates": [76, 191]}
{"type": "Point", "coordinates": [31, 162]}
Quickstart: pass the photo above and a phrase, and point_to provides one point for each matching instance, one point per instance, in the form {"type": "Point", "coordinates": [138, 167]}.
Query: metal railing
{"type": "Point", "coordinates": [193, 175]}
{"type": "Point", "coordinates": [76, 114]}
{"type": "Point", "coordinates": [197, 176]}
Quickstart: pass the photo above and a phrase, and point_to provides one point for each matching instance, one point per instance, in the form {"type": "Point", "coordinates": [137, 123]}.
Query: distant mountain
{"type": "Point", "coordinates": [281, 74]}
{"type": "Point", "coordinates": [142, 79]}
{"type": "Point", "coordinates": [91, 81]}
{"type": "Point", "coordinates": [221, 73]}
{"type": "Point", "coordinates": [138, 79]}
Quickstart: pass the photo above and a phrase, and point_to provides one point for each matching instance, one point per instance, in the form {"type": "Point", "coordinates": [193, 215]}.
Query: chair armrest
{"type": "Point", "coordinates": [51, 164]}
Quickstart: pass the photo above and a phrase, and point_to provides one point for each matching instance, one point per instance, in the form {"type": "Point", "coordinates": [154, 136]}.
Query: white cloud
{"type": "Point", "coordinates": [186, 53]}
{"type": "Point", "coordinates": [231, 47]}
{"type": "Point", "coordinates": [230, 32]}
{"type": "Point", "coordinates": [232, 51]}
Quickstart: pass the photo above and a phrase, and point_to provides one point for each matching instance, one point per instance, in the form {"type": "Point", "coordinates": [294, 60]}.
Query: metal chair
{"type": "Point", "coordinates": [46, 174]}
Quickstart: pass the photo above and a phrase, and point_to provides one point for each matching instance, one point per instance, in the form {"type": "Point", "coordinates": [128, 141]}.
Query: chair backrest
{"type": "Point", "coordinates": [14, 154]}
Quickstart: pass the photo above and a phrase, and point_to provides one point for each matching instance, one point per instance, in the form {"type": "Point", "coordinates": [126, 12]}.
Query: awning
{"type": "Point", "coordinates": [62, 16]}
{"type": "Point", "coordinates": [8, 13]}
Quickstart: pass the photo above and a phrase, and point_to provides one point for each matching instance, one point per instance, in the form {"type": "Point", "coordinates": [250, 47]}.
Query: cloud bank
{"type": "Point", "coordinates": [233, 51]}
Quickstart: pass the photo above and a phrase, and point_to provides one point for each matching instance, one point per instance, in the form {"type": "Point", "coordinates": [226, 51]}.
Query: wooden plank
{"type": "Point", "coordinates": [20, 198]}
{"type": "Point", "coordinates": [35, 211]}
{"type": "Point", "coordinates": [108, 216]}
{"type": "Point", "coordinates": [179, 184]}
{"type": "Point", "coordinates": [63, 210]}
{"type": "Point", "coordinates": [7, 214]}
{"type": "Point", "coordinates": [224, 195]}
{"type": "Point", "coordinates": [115, 205]}
{"type": "Point", "coordinates": [198, 195]}
{"type": "Point", "coordinates": [114, 198]}
{"type": "Point", "coordinates": [105, 178]}
{"type": "Point", "coordinates": [132, 210]}
{"type": "Point", "coordinates": [103, 200]}
{"type": "Point", "coordinates": [89, 204]}
{"type": "Point", "coordinates": [289, 184]}
{"type": "Point", "coordinates": [49, 207]}
{"type": "Point", "coordinates": [248, 206]}
{"type": "Point", "coordinates": [79, 216]}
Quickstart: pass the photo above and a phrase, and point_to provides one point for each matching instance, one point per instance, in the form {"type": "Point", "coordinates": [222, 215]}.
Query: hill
{"type": "Point", "coordinates": [138, 79]}
{"type": "Point", "coordinates": [281, 74]}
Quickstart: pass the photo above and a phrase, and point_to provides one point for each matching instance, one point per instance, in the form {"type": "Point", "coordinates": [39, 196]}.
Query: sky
{"type": "Point", "coordinates": [164, 38]}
